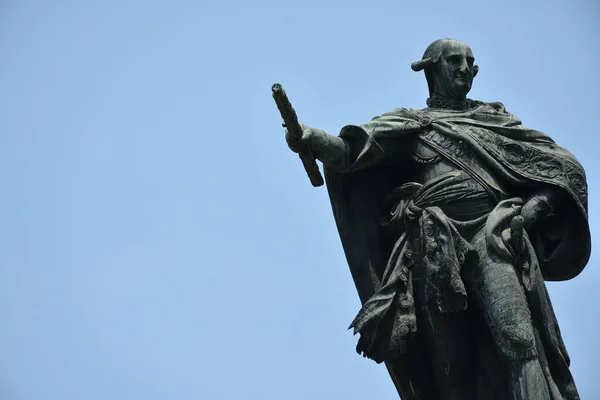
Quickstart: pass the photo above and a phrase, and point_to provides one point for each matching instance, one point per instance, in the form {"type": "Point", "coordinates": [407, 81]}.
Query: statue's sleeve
{"type": "Point", "coordinates": [383, 140]}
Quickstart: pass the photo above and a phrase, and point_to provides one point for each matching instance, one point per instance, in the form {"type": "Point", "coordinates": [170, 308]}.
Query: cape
{"type": "Point", "coordinates": [525, 160]}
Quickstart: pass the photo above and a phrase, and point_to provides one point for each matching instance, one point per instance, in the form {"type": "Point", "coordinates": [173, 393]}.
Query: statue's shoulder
{"type": "Point", "coordinates": [492, 106]}
{"type": "Point", "coordinates": [398, 112]}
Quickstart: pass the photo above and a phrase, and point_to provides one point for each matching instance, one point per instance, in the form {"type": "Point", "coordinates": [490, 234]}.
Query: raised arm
{"type": "Point", "coordinates": [330, 150]}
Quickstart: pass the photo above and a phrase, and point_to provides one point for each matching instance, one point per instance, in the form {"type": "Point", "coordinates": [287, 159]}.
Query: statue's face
{"type": "Point", "coordinates": [455, 70]}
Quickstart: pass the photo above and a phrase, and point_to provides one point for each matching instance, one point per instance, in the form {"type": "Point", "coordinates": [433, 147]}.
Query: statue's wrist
{"type": "Point", "coordinates": [330, 150]}
{"type": "Point", "coordinates": [549, 199]}
{"type": "Point", "coordinates": [544, 203]}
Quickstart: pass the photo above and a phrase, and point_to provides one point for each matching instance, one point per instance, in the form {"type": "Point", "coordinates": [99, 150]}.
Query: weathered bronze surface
{"type": "Point", "coordinates": [452, 217]}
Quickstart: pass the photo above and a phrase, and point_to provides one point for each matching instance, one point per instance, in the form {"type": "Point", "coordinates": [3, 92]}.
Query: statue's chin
{"type": "Point", "coordinates": [460, 91]}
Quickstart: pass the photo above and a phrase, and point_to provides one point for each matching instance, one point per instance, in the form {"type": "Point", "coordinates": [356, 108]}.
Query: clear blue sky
{"type": "Point", "coordinates": [159, 241]}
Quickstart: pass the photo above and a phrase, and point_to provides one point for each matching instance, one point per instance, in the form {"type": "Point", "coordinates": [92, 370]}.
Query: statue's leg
{"type": "Point", "coordinates": [501, 297]}
{"type": "Point", "coordinates": [445, 339]}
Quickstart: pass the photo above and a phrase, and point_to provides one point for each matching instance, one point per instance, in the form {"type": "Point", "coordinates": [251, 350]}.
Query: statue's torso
{"type": "Point", "coordinates": [429, 164]}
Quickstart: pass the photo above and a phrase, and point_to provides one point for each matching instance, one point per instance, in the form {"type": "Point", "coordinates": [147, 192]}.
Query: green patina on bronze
{"type": "Point", "coordinates": [452, 217]}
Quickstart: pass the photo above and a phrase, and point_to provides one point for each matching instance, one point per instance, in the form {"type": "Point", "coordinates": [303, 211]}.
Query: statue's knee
{"type": "Point", "coordinates": [516, 340]}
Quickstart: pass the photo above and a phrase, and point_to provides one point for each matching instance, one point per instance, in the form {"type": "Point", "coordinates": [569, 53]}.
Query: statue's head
{"type": "Point", "coordinates": [449, 69]}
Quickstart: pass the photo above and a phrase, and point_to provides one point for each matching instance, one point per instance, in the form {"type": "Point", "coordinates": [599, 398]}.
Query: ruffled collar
{"type": "Point", "coordinates": [439, 102]}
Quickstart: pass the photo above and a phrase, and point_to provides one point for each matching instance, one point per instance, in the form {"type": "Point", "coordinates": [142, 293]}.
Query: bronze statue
{"type": "Point", "coordinates": [451, 218]}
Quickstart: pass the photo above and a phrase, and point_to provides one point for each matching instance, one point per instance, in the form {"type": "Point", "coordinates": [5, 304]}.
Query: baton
{"type": "Point", "coordinates": [290, 121]}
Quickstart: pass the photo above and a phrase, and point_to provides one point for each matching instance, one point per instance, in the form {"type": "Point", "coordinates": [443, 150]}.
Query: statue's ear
{"type": "Point", "coordinates": [475, 70]}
